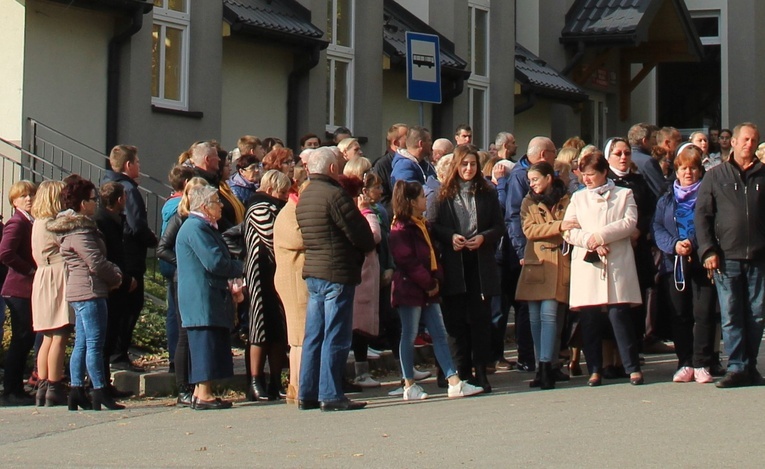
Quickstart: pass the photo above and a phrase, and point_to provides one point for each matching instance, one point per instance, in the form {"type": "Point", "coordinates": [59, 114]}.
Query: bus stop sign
{"type": "Point", "coordinates": [423, 67]}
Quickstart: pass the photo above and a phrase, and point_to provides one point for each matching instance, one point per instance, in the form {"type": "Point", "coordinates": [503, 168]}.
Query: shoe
{"type": "Point", "coordinates": [463, 389]}
{"type": "Point", "coordinates": [734, 379]}
{"type": "Point", "coordinates": [350, 388]}
{"type": "Point", "coordinates": [534, 383]}
{"type": "Point", "coordinates": [184, 399]}
{"type": "Point", "coordinates": [399, 391]}
{"type": "Point", "coordinates": [291, 396]}
{"type": "Point", "coordinates": [78, 399]}
{"type": "Point", "coordinates": [414, 393]}
{"type": "Point", "coordinates": [115, 393]}
{"type": "Point", "coordinates": [504, 365]}
{"type": "Point", "coordinates": [420, 375]}
{"type": "Point", "coordinates": [525, 367]}
{"type": "Point", "coordinates": [575, 369]}
{"type": "Point", "coordinates": [276, 391]}
{"type": "Point", "coordinates": [307, 404]}
{"type": "Point", "coordinates": [373, 354]}
{"type": "Point", "coordinates": [754, 376]}
{"type": "Point", "coordinates": [342, 404]}
{"type": "Point", "coordinates": [482, 379]}
{"type": "Point", "coordinates": [15, 399]}
{"type": "Point", "coordinates": [101, 398]}
{"type": "Point", "coordinates": [636, 379]}
{"type": "Point", "coordinates": [257, 391]}
{"type": "Point", "coordinates": [419, 342]}
{"type": "Point", "coordinates": [215, 404]}
{"type": "Point", "coordinates": [716, 367]}
{"type": "Point", "coordinates": [42, 388]}
{"type": "Point", "coordinates": [366, 381]}
{"type": "Point", "coordinates": [701, 375]}
{"type": "Point", "coordinates": [558, 375]}
{"type": "Point", "coordinates": [547, 379]}
{"type": "Point", "coordinates": [684, 375]}
{"type": "Point", "coordinates": [55, 394]}
{"type": "Point", "coordinates": [33, 379]}
{"type": "Point", "coordinates": [595, 380]}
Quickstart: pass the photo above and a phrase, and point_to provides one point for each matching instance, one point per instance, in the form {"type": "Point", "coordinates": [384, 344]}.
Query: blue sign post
{"type": "Point", "coordinates": [423, 68]}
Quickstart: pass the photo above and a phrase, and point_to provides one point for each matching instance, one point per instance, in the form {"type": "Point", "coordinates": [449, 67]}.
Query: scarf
{"type": "Point", "coordinates": [419, 222]}
{"type": "Point", "coordinates": [204, 217]}
{"type": "Point", "coordinates": [619, 173]}
{"type": "Point", "coordinates": [600, 190]}
{"type": "Point", "coordinates": [464, 206]}
{"type": "Point", "coordinates": [225, 191]}
{"type": "Point", "coordinates": [685, 197]}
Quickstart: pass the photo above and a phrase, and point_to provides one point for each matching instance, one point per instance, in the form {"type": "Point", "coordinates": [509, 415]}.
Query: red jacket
{"type": "Point", "coordinates": [16, 253]}
{"type": "Point", "coordinates": [412, 278]}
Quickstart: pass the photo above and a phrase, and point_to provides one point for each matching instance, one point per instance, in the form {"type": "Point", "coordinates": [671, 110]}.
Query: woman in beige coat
{"type": "Point", "coordinates": [544, 280]}
{"type": "Point", "coordinates": [604, 282]}
{"type": "Point", "coordinates": [289, 253]}
{"type": "Point", "coordinates": [51, 315]}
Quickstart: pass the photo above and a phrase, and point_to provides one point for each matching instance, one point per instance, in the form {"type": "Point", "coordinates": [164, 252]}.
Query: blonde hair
{"type": "Point", "coordinates": [357, 167]}
{"type": "Point", "coordinates": [567, 155]}
{"type": "Point", "coordinates": [345, 143]}
{"type": "Point", "coordinates": [443, 166]}
{"type": "Point", "coordinates": [275, 181]}
{"type": "Point", "coordinates": [47, 202]}
{"type": "Point", "coordinates": [20, 189]}
{"type": "Point", "coordinates": [183, 205]}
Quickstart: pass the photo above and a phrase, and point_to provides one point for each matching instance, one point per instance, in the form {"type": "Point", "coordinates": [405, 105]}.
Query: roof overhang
{"type": "Point", "coordinates": [535, 75]}
{"type": "Point", "coordinates": [285, 22]}
{"type": "Point", "coordinates": [114, 6]}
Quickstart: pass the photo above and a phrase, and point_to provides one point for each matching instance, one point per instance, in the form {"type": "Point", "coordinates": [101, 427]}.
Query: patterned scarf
{"type": "Point", "coordinates": [686, 203]}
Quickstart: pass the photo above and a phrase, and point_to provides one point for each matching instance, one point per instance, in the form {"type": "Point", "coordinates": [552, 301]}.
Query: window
{"type": "Point", "coordinates": [478, 61]}
{"type": "Point", "coordinates": [170, 54]}
{"type": "Point", "coordinates": [340, 63]}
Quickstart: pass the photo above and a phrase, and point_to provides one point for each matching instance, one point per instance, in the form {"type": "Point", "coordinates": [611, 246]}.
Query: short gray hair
{"type": "Point", "coordinates": [200, 151]}
{"type": "Point", "coordinates": [320, 160]}
{"type": "Point", "coordinates": [501, 138]}
{"type": "Point", "coordinates": [275, 181]}
{"type": "Point", "coordinates": [200, 196]}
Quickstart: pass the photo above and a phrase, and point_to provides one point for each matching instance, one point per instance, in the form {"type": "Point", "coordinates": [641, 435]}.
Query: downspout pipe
{"type": "Point", "coordinates": [113, 71]}
{"type": "Point", "coordinates": [531, 101]}
{"type": "Point", "coordinates": [293, 92]}
{"type": "Point", "coordinates": [575, 59]}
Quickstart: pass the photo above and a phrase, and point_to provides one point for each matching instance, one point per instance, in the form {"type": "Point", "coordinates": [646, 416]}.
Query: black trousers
{"type": "Point", "coordinates": [182, 354]}
{"type": "Point", "coordinates": [128, 317]}
{"type": "Point", "coordinates": [22, 340]}
{"type": "Point", "coordinates": [595, 325]}
{"type": "Point", "coordinates": [693, 318]}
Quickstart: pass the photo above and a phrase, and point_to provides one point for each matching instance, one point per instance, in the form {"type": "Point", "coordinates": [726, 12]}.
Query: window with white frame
{"type": "Point", "coordinates": [170, 54]}
{"type": "Point", "coordinates": [340, 52]}
{"type": "Point", "coordinates": [478, 61]}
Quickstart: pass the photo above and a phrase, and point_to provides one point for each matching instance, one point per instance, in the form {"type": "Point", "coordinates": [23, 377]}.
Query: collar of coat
{"type": "Point", "coordinates": [70, 221]}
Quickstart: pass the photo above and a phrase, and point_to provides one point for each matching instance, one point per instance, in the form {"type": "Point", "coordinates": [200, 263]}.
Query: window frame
{"type": "Point", "coordinates": [479, 82]}
{"type": "Point", "coordinates": [164, 18]}
{"type": "Point", "coordinates": [342, 54]}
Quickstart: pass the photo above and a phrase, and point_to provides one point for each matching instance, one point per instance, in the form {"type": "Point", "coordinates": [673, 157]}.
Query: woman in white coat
{"type": "Point", "coordinates": [604, 282]}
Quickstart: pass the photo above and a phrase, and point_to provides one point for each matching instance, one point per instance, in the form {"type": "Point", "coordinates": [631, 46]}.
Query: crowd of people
{"type": "Point", "coordinates": [320, 254]}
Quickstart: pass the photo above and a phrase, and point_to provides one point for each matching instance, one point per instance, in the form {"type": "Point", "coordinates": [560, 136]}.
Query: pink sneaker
{"type": "Point", "coordinates": [683, 375]}
{"type": "Point", "coordinates": [701, 375]}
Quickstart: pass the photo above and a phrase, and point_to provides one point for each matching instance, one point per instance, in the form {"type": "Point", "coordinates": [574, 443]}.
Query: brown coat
{"type": "Point", "coordinates": [546, 271]}
{"type": "Point", "coordinates": [290, 258]}
{"type": "Point", "coordinates": [88, 274]}
{"type": "Point", "coordinates": [50, 309]}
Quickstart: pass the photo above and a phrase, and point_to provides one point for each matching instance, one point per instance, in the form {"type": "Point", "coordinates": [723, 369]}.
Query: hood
{"type": "Point", "coordinates": [238, 181]}
{"type": "Point", "coordinates": [110, 176]}
{"type": "Point", "coordinates": [70, 221]}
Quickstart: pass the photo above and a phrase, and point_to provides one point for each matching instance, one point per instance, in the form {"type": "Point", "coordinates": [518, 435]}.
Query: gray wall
{"type": "Point", "coordinates": [502, 68]}
{"type": "Point", "coordinates": [746, 45]}
{"type": "Point", "coordinates": [368, 76]}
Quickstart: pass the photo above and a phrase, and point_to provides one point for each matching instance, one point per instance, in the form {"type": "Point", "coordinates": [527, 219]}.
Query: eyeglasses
{"type": "Point", "coordinates": [217, 202]}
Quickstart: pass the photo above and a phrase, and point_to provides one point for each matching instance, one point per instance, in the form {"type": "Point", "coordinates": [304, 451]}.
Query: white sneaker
{"type": "Point", "coordinates": [414, 393]}
{"type": "Point", "coordinates": [420, 375]}
{"type": "Point", "coordinates": [366, 381]}
{"type": "Point", "coordinates": [399, 391]}
{"type": "Point", "coordinates": [372, 354]}
{"type": "Point", "coordinates": [463, 389]}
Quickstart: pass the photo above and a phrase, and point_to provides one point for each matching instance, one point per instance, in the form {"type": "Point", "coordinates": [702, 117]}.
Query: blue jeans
{"type": "Point", "coordinates": [171, 323]}
{"type": "Point", "coordinates": [543, 315]}
{"type": "Point", "coordinates": [90, 333]}
{"type": "Point", "coordinates": [741, 289]}
{"type": "Point", "coordinates": [328, 332]}
{"type": "Point", "coordinates": [410, 320]}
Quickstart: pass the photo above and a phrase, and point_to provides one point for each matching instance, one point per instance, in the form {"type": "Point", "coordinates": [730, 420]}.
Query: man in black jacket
{"type": "Point", "coordinates": [137, 238]}
{"type": "Point", "coordinates": [336, 238]}
{"type": "Point", "coordinates": [730, 210]}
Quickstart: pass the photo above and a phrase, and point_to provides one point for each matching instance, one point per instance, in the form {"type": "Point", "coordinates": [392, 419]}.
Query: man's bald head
{"type": "Point", "coordinates": [441, 147]}
{"type": "Point", "coordinates": [541, 149]}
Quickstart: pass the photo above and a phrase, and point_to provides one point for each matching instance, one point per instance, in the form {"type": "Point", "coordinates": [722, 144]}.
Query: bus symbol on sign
{"type": "Point", "coordinates": [423, 60]}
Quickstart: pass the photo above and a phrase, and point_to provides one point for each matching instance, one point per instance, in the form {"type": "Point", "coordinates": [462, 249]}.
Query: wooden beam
{"type": "Point", "coordinates": [624, 89]}
{"type": "Point", "coordinates": [659, 51]}
{"type": "Point", "coordinates": [635, 81]}
{"type": "Point", "coordinates": [581, 77]}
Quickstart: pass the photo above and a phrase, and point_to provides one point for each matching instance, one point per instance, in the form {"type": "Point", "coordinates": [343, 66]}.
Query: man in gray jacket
{"type": "Point", "coordinates": [336, 238]}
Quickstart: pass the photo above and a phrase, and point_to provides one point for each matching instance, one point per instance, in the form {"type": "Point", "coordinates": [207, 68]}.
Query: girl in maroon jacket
{"type": "Point", "coordinates": [416, 289]}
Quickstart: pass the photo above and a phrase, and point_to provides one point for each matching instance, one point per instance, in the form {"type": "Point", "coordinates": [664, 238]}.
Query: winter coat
{"type": "Point", "coordinates": [515, 187]}
{"type": "Point", "coordinates": [168, 212]}
{"type": "Point", "coordinates": [366, 300]}
{"type": "Point", "coordinates": [137, 235]}
{"type": "Point", "coordinates": [546, 270]}
{"type": "Point", "coordinates": [666, 236]}
{"type": "Point", "coordinates": [730, 212]}
{"type": "Point", "coordinates": [335, 234]}
{"type": "Point", "coordinates": [16, 254]}
{"type": "Point", "coordinates": [412, 278]}
{"type": "Point", "coordinates": [166, 246]}
{"type": "Point", "coordinates": [204, 267]}
{"type": "Point", "coordinates": [651, 171]}
{"type": "Point", "coordinates": [242, 188]}
{"type": "Point", "coordinates": [612, 218]}
{"type": "Point", "coordinates": [289, 253]}
{"type": "Point", "coordinates": [89, 274]}
{"type": "Point", "coordinates": [111, 226]}
{"type": "Point", "coordinates": [489, 218]}
{"type": "Point", "coordinates": [406, 167]}
{"type": "Point", "coordinates": [50, 309]}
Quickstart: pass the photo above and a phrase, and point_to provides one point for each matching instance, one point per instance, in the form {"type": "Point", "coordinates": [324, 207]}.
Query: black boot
{"type": "Point", "coordinates": [185, 393]}
{"type": "Point", "coordinates": [42, 388]}
{"type": "Point", "coordinates": [275, 390]}
{"type": "Point", "coordinates": [55, 394]}
{"type": "Point", "coordinates": [257, 389]}
{"type": "Point", "coordinates": [115, 393]}
{"type": "Point", "coordinates": [101, 398]}
{"type": "Point", "coordinates": [547, 379]}
{"type": "Point", "coordinates": [534, 383]}
{"type": "Point", "coordinates": [482, 378]}
{"type": "Point", "coordinates": [77, 398]}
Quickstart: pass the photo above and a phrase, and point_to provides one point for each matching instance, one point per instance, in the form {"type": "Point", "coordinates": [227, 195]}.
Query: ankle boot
{"type": "Point", "coordinates": [257, 389]}
{"type": "Point", "coordinates": [482, 379]}
{"type": "Point", "coordinates": [101, 398]}
{"type": "Point", "coordinates": [55, 394]}
{"type": "Point", "coordinates": [77, 398]}
{"type": "Point", "coordinates": [275, 389]}
{"type": "Point", "coordinates": [547, 379]}
{"type": "Point", "coordinates": [42, 388]}
{"type": "Point", "coordinates": [534, 383]}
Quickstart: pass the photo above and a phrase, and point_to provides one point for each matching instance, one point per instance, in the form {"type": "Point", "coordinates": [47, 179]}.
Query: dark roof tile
{"type": "Point", "coordinates": [283, 16]}
{"type": "Point", "coordinates": [534, 72]}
